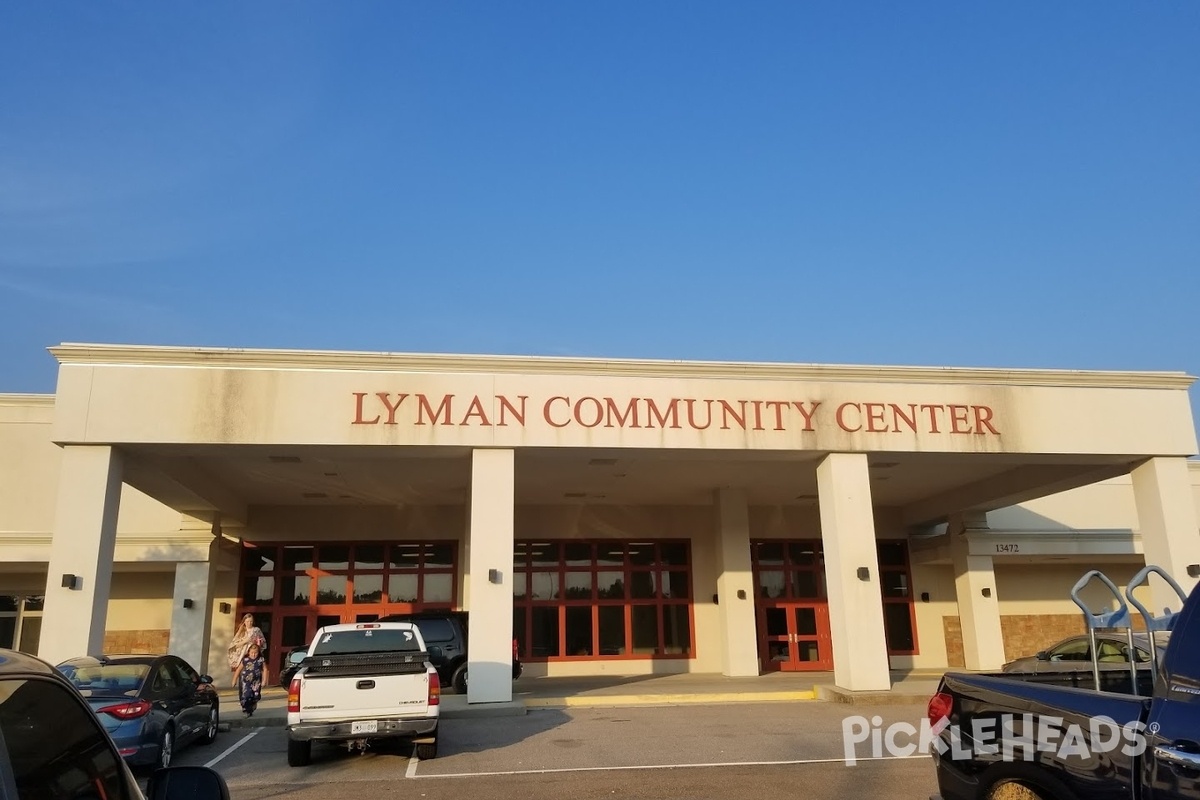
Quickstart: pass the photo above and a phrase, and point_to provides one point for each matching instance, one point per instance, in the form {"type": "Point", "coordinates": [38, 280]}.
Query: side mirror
{"type": "Point", "coordinates": [187, 783]}
{"type": "Point", "coordinates": [434, 652]}
{"type": "Point", "coordinates": [206, 679]}
{"type": "Point", "coordinates": [1042, 656]}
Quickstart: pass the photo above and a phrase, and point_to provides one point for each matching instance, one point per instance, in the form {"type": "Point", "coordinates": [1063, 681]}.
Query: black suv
{"type": "Point", "coordinates": [445, 635]}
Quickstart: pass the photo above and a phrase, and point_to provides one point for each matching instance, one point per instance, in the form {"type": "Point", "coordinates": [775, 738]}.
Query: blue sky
{"type": "Point", "coordinates": [1012, 185]}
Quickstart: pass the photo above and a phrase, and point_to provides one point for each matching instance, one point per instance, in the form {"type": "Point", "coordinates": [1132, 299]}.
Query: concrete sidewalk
{"type": "Point", "coordinates": [633, 690]}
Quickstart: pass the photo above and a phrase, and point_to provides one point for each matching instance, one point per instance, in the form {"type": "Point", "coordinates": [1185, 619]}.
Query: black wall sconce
{"type": "Point", "coordinates": [494, 576]}
{"type": "Point", "coordinates": [715, 599]}
{"type": "Point", "coordinates": [924, 597]}
{"type": "Point", "coordinates": [864, 574]}
{"type": "Point", "coordinates": [1193, 570]}
{"type": "Point", "coordinates": [72, 582]}
{"type": "Point", "coordinates": [741, 594]}
{"type": "Point", "coordinates": [187, 602]}
{"type": "Point", "coordinates": [987, 591]}
{"type": "Point", "coordinates": [224, 608]}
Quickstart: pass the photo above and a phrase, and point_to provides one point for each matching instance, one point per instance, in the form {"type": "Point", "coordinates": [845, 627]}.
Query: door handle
{"type": "Point", "coordinates": [1177, 757]}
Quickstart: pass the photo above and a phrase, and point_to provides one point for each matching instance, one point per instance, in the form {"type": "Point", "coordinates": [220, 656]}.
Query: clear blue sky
{"type": "Point", "coordinates": [1010, 184]}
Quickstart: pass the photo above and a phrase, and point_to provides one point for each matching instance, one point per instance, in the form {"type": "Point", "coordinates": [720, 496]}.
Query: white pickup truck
{"type": "Point", "coordinates": [362, 682]}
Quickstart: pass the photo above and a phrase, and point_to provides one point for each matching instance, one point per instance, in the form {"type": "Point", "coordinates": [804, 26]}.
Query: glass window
{"type": "Point", "coordinates": [333, 557]}
{"type": "Point", "coordinates": [435, 630]}
{"type": "Point", "coordinates": [545, 586]}
{"type": "Point", "coordinates": [402, 588]}
{"type": "Point", "coordinates": [673, 553]}
{"type": "Point", "coordinates": [578, 586]}
{"type": "Point", "coordinates": [297, 558]}
{"type": "Point", "coordinates": [897, 627]}
{"type": "Point", "coordinates": [406, 556]}
{"type": "Point", "coordinates": [612, 630]}
{"type": "Point", "coordinates": [55, 746]}
{"type": "Point", "coordinates": [293, 591]}
{"type": "Point", "coordinates": [645, 629]}
{"type": "Point", "coordinates": [895, 583]}
{"type": "Point", "coordinates": [368, 556]}
{"type": "Point", "coordinates": [331, 590]}
{"type": "Point", "coordinates": [610, 555]}
{"type": "Point", "coordinates": [439, 555]}
{"type": "Point", "coordinates": [893, 554]}
{"type": "Point", "coordinates": [439, 588]}
{"type": "Point", "coordinates": [611, 585]}
{"type": "Point", "coordinates": [368, 640]}
{"type": "Point", "coordinates": [642, 554]}
{"type": "Point", "coordinates": [9, 602]}
{"type": "Point", "coordinates": [676, 585]}
{"type": "Point", "coordinates": [544, 639]}
{"type": "Point", "coordinates": [804, 584]}
{"type": "Point", "coordinates": [544, 554]}
{"type": "Point", "coordinates": [520, 585]}
{"type": "Point", "coordinates": [579, 630]}
{"type": "Point", "coordinates": [578, 554]}
{"type": "Point", "coordinates": [770, 584]}
{"type": "Point", "coordinates": [165, 681]}
{"type": "Point", "coordinates": [8, 630]}
{"type": "Point", "coordinates": [677, 630]}
{"type": "Point", "coordinates": [258, 559]}
{"type": "Point", "coordinates": [368, 588]}
{"type": "Point", "coordinates": [770, 553]}
{"type": "Point", "coordinates": [803, 554]}
{"type": "Point", "coordinates": [642, 584]}
{"type": "Point", "coordinates": [259, 591]}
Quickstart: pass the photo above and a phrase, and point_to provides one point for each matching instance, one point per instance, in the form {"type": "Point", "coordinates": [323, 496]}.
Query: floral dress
{"type": "Point", "coordinates": [250, 683]}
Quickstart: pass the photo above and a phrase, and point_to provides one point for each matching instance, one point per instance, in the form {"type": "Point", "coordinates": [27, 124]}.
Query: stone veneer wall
{"type": "Point", "coordinates": [1024, 634]}
{"type": "Point", "coordinates": [152, 641]}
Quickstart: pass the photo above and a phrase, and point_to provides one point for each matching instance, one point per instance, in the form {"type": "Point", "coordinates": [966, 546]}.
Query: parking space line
{"type": "Point", "coordinates": [411, 772]}
{"type": "Point", "coordinates": [233, 747]}
{"type": "Point", "coordinates": [412, 768]}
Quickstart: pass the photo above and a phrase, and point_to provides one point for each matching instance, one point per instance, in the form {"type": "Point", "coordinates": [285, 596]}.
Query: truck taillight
{"type": "Point", "coordinates": [516, 656]}
{"type": "Point", "coordinates": [294, 695]}
{"type": "Point", "coordinates": [938, 711]}
{"type": "Point", "coordinates": [435, 689]}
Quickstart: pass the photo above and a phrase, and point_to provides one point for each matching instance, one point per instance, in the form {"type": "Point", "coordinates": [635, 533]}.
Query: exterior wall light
{"type": "Point", "coordinates": [187, 602]}
{"type": "Point", "coordinates": [72, 582]}
{"type": "Point", "coordinates": [864, 574]}
{"type": "Point", "coordinates": [987, 591]}
{"type": "Point", "coordinates": [494, 576]}
{"type": "Point", "coordinates": [1194, 570]}
{"type": "Point", "coordinates": [224, 608]}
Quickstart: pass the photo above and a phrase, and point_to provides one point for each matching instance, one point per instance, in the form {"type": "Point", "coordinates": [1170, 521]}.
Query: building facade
{"type": "Point", "coordinates": [613, 517]}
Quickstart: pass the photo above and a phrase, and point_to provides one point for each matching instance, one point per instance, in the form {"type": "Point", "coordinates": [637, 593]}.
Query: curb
{"type": "Point", "coordinates": [595, 701]}
{"type": "Point", "coordinates": [832, 694]}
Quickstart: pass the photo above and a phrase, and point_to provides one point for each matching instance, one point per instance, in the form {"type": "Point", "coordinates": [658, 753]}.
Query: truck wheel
{"type": "Point", "coordinates": [299, 753]}
{"type": "Point", "coordinates": [1044, 787]}
{"type": "Point", "coordinates": [460, 680]}
{"type": "Point", "coordinates": [1013, 791]}
{"type": "Point", "coordinates": [426, 752]}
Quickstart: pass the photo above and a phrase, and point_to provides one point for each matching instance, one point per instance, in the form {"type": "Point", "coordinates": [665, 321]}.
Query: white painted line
{"type": "Point", "coordinates": [412, 770]}
{"type": "Point", "coordinates": [240, 742]}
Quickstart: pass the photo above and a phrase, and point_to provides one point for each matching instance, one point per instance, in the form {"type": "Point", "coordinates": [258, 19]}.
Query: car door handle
{"type": "Point", "coordinates": [1177, 757]}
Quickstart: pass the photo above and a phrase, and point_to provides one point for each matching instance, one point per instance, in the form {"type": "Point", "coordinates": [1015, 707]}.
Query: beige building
{"type": "Point", "coordinates": [610, 516]}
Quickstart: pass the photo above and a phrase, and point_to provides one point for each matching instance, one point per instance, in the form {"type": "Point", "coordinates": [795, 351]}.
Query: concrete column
{"type": "Point", "coordinates": [978, 605]}
{"type": "Point", "coordinates": [225, 555]}
{"type": "Point", "coordinates": [739, 642]}
{"type": "Point", "coordinates": [191, 612]}
{"type": "Point", "coordinates": [1166, 510]}
{"type": "Point", "coordinates": [85, 537]}
{"type": "Point", "coordinates": [860, 660]}
{"type": "Point", "coordinates": [490, 552]}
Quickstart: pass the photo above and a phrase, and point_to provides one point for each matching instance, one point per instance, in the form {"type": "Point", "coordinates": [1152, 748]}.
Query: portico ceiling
{"type": "Point", "coordinates": [921, 487]}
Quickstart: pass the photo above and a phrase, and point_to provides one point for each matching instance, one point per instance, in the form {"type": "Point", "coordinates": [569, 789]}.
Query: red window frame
{"type": "Point", "coordinates": [565, 567]}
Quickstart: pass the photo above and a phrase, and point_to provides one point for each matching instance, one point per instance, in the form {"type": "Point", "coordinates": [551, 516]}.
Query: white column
{"type": "Point", "coordinates": [85, 535]}
{"type": "Point", "coordinates": [860, 660]}
{"type": "Point", "coordinates": [739, 642]}
{"type": "Point", "coordinates": [490, 556]}
{"type": "Point", "coordinates": [191, 612]}
{"type": "Point", "coordinates": [978, 604]}
{"type": "Point", "coordinates": [1166, 510]}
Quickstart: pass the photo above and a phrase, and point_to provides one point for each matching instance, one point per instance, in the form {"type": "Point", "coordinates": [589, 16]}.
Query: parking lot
{"type": "Point", "coordinates": [727, 751]}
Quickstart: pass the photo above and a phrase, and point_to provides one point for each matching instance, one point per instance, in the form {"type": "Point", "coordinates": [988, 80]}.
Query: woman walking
{"type": "Point", "coordinates": [247, 633]}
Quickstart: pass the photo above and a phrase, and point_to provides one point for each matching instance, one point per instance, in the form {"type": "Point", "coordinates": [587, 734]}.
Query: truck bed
{"type": "Point", "coordinates": [352, 664]}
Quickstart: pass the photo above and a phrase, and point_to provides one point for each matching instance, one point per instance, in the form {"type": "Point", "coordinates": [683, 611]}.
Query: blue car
{"type": "Point", "coordinates": [151, 705]}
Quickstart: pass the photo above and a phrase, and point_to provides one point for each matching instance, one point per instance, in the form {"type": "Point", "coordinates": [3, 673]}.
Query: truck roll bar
{"type": "Point", "coordinates": [1154, 624]}
{"type": "Point", "coordinates": [1118, 618]}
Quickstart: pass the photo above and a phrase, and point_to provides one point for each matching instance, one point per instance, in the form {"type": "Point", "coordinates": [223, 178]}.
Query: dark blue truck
{"type": "Point", "coordinates": [999, 737]}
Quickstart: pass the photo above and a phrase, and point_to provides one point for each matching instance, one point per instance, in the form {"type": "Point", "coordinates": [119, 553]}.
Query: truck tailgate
{"type": "Point", "coordinates": [341, 688]}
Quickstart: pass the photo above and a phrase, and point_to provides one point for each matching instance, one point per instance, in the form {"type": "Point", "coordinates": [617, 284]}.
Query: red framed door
{"type": "Point", "coordinates": [794, 637]}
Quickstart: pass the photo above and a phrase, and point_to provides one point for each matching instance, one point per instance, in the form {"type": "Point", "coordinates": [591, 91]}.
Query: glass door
{"type": "Point", "coordinates": [795, 637]}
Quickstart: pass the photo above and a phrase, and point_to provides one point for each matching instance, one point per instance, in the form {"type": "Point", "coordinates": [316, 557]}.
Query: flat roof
{"type": "Point", "coordinates": [249, 358]}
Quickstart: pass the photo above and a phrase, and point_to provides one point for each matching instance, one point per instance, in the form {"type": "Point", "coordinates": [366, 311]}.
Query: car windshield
{"type": "Point", "coordinates": [369, 640]}
{"type": "Point", "coordinates": [106, 678]}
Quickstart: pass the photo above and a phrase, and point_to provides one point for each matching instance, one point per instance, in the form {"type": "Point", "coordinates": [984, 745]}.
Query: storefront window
{"type": "Point", "coordinates": [602, 600]}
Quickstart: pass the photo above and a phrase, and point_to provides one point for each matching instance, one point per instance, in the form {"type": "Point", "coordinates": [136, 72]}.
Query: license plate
{"type": "Point", "coordinates": [369, 726]}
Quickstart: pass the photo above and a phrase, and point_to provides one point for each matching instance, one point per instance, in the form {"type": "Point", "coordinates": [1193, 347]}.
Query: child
{"type": "Point", "coordinates": [249, 678]}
